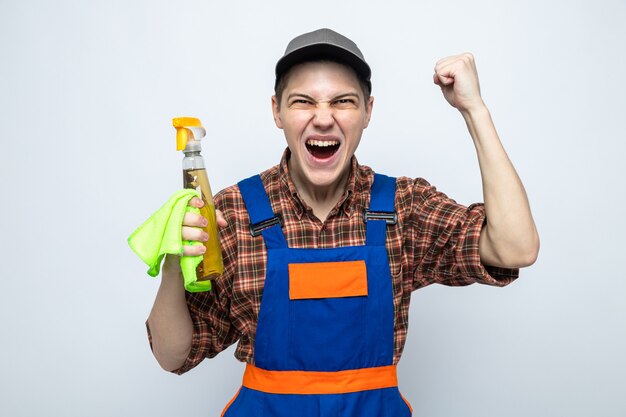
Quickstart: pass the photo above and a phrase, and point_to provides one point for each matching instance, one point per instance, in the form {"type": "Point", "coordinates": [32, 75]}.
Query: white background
{"type": "Point", "coordinates": [87, 93]}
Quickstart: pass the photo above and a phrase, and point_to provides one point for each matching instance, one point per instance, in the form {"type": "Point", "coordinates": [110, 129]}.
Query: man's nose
{"type": "Point", "coordinates": [324, 116]}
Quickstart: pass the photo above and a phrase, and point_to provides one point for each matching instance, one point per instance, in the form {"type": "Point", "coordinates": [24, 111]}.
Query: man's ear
{"type": "Point", "coordinates": [370, 106]}
{"type": "Point", "coordinates": [276, 112]}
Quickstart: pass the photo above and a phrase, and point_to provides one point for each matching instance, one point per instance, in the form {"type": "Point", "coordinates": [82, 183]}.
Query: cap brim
{"type": "Point", "coordinates": [321, 51]}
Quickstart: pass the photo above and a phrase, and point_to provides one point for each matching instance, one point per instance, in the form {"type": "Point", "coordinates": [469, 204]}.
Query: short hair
{"type": "Point", "coordinates": [283, 78]}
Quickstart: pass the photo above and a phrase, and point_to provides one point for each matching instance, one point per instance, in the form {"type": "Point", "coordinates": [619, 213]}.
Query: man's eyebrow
{"type": "Point", "coordinates": [292, 95]}
{"type": "Point", "coordinates": [308, 97]}
{"type": "Point", "coordinates": [351, 94]}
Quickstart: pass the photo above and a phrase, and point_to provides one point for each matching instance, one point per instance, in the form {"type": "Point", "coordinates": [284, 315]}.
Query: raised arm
{"type": "Point", "coordinates": [510, 238]}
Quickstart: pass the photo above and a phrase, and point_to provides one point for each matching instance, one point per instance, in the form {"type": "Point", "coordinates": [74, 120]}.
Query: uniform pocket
{"type": "Point", "coordinates": [327, 315]}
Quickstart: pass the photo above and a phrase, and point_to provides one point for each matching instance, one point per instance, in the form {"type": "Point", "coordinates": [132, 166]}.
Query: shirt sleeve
{"type": "Point", "coordinates": [444, 236]}
{"type": "Point", "coordinates": [213, 330]}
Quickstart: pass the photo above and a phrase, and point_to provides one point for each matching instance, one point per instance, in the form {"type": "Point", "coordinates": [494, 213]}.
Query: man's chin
{"type": "Point", "coordinates": [319, 178]}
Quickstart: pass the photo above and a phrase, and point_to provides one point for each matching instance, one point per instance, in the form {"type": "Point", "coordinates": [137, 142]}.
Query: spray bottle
{"type": "Point", "coordinates": [189, 131]}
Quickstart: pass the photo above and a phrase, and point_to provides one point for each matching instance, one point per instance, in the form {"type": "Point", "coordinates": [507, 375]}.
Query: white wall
{"type": "Point", "coordinates": [87, 93]}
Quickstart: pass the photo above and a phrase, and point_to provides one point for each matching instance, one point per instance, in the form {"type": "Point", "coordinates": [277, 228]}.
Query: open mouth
{"type": "Point", "coordinates": [322, 149]}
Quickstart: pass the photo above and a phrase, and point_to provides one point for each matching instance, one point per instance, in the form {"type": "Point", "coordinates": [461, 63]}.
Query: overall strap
{"type": "Point", "coordinates": [381, 210]}
{"type": "Point", "coordinates": [263, 221]}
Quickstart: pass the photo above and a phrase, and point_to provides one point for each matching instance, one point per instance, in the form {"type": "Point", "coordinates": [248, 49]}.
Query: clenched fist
{"type": "Point", "coordinates": [458, 79]}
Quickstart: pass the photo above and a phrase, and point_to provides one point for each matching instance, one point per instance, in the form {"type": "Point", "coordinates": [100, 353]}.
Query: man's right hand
{"type": "Point", "coordinates": [169, 322]}
{"type": "Point", "coordinates": [192, 228]}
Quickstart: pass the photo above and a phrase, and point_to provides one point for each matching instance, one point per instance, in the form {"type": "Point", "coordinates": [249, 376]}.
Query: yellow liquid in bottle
{"type": "Point", "coordinates": [212, 265]}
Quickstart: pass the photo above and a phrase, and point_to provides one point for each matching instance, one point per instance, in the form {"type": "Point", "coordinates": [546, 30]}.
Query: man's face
{"type": "Point", "coordinates": [323, 113]}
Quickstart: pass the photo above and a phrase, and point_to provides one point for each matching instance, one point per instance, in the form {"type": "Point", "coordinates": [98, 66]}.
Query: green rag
{"type": "Point", "coordinates": [161, 234]}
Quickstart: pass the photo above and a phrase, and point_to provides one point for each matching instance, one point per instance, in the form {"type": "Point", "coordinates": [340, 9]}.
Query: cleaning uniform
{"type": "Point", "coordinates": [325, 336]}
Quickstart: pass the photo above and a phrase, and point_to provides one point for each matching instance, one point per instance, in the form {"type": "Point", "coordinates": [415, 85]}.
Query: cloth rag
{"type": "Point", "coordinates": [161, 234]}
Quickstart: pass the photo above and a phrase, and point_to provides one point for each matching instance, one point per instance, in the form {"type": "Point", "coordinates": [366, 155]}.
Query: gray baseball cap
{"type": "Point", "coordinates": [324, 43]}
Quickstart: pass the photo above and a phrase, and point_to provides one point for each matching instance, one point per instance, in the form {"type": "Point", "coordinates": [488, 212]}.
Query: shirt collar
{"type": "Point", "coordinates": [345, 202]}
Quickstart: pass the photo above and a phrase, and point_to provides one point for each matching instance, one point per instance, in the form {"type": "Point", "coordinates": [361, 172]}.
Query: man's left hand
{"type": "Point", "coordinates": [458, 79]}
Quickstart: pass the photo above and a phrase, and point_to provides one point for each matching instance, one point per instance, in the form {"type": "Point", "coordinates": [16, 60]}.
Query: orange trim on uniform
{"type": "Point", "coordinates": [313, 382]}
{"type": "Point", "coordinates": [230, 403]}
{"type": "Point", "coordinates": [327, 280]}
{"type": "Point", "coordinates": [407, 403]}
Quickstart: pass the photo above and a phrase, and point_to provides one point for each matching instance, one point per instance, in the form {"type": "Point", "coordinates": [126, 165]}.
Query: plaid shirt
{"type": "Point", "coordinates": [434, 241]}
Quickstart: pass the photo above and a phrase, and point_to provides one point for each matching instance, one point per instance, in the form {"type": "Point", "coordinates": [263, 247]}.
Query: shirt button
{"type": "Point", "coordinates": [322, 235]}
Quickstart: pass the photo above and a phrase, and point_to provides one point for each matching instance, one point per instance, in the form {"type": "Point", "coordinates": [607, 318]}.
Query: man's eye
{"type": "Point", "coordinates": [300, 102]}
{"type": "Point", "coordinates": [344, 102]}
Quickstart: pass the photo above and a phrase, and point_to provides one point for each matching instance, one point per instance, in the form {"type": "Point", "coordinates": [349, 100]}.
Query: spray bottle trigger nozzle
{"type": "Point", "coordinates": [187, 127]}
{"type": "Point", "coordinates": [182, 135]}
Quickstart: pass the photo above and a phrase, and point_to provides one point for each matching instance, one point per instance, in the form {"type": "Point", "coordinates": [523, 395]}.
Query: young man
{"type": "Point", "coordinates": [321, 254]}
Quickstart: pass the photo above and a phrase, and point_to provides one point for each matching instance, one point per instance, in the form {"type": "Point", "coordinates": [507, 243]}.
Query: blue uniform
{"type": "Point", "coordinates": [325, 336]}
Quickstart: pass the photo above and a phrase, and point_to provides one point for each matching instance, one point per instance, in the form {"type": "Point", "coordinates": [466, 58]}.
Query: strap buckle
{"type": "Point", "coordinates": [257, 228]}
{"type": "Point", "coordinates": [390, 217]}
